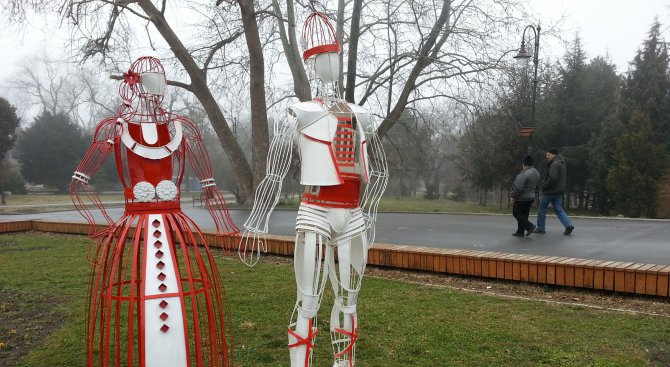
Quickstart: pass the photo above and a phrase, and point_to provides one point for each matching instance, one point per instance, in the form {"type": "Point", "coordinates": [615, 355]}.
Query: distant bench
{"type": "Point", "coordinates": [198, 198]}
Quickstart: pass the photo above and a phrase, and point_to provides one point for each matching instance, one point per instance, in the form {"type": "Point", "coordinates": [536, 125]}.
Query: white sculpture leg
{"type": "Point", "coordinates": [310, 275]}
{"type": "Point", "coordinates": [346, 277]}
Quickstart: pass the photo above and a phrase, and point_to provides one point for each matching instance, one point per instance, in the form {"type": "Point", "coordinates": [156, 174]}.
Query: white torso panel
{"type": "Point", "coordinates": [317, 128]}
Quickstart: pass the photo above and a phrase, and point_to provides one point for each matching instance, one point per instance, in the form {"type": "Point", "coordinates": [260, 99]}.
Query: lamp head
{"type": "Point", "coordinates": [523, 56]}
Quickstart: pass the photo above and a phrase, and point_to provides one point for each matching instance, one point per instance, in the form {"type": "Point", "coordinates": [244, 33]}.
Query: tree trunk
{"type": "Point", "coordinates": [353, 51]}
{"type": "Point", "coordinates": [259, 119]}
{"type": "Point", "coordinates": [292, 52]}
{"type": "Point", "coordinates": [339, 33]}
{"type": "Point", "coordinates": [200, 89]}
{"type": "Point", "coordinates": [3, 199]}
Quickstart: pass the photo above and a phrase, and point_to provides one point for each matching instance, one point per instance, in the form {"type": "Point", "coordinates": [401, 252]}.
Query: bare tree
{"type": "Point", "coordinates": [402, 53]}
{"type": "Point", "coordinates": [288, 36]}
{"type": "Point", "coordinates": [115, 22]}
{"type": "Point", "coordinates": [259, 118]}
{"type": "Point", "coordinates": [53, 85]}
{"type": "Point", "coordinates": [399, 54]}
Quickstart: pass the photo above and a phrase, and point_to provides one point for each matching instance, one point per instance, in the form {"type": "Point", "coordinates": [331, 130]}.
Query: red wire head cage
{"type": "Point", "coordinates": [318, 36]}
{"type": "Point", "coordinates": [131, 79]}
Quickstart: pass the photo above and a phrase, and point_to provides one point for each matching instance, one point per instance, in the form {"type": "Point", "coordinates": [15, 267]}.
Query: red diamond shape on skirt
{"type": "Point", "coordinates": [164, 316]}
{"type": "Point", "coordinates": [157, 233]}
{"type": "Point", "coordinates": [158, 244]}
{"type": "Point", "coordinates": [160, 265]}
{"type": "Point", "coordinates": [162, 287]}
{"type": "Point", "coordinates": [159, 254]}
{"type": "Point", "coordinates": [156, 223]}
{"type": "Point", "coordinates": [163, 304]}
{"type": "Point", "coordinates": [165, 328]}
{"type": "Point", "coordinates": [161, 277]}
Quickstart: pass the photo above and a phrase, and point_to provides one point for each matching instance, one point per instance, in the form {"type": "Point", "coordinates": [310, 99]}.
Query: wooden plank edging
{"type": "Point", "coordinates": [623, 277]}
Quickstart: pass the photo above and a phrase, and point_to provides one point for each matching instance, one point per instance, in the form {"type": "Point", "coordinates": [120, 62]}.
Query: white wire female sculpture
{"type": "Point", "coordinates": [340, 153]}
{"type": "Point", "coordinates": [154, 297]}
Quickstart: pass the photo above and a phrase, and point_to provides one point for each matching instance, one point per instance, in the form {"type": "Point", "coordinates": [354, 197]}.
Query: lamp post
{"type": "Point", "coordinates": [522, 59]}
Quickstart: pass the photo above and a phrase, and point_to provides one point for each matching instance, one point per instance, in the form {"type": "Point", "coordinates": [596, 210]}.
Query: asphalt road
{"type": "Point", "coordinates": [644, 241]}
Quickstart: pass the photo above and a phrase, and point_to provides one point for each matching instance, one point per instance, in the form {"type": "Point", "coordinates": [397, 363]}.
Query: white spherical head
{"type": "Point", "coordinates": [327, 67]}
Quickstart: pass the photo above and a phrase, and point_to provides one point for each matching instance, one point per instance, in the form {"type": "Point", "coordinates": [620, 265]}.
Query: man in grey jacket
{"type": "Point", "coordinates": [523, 194]}
{"type": "Point", "coordinates": [553, 188]}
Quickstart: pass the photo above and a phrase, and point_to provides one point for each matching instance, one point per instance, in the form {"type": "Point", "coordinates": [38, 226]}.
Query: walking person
{"type": "Point", "coordinates": [553, 188]}
{"type": "Point", "coordinates": [523, 194]}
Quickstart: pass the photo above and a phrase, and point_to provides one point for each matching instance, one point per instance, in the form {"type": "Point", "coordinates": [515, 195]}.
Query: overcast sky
{"type": "Point", "coordinates": [613, 27]}
{"type": "Point", "coordinates": [606, 27]}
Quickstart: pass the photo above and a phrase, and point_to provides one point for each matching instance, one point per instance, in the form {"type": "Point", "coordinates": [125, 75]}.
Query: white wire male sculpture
{"type": "Point", "coordinates": [333, 139]}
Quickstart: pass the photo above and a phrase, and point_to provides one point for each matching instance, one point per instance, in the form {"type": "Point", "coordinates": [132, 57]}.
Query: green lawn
{"type": "Point", "coordinates": [444, 206]}
{"type": "Point", "coordinates": [33, 199]}
{"type": "Point", "coordinates": [43, 279]}
{"type": "Point", "coordinates": [388, 204]}
{"type": "Point", "coordinates": [420, 205]}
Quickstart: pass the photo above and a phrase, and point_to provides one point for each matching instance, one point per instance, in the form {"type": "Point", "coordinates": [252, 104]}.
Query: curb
{"type": "Point", "coordinates": [623, 277]}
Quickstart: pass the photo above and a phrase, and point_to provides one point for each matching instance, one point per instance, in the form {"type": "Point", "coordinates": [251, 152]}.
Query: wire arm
{"type": "Point", "coordinates": [377, 182]}
{"type": "Point", "coordinates": [268, 191]}
{"type": "Point", "coordinates": [211, 194]}
{"type": "Point", "coordinates": [81, 193]}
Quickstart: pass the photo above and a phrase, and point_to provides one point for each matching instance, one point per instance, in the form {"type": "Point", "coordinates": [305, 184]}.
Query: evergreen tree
{"type": "Point", "coordinates": [50, 149]}
{"type": "Point", "coordinates": [576, 104]}
{"type": "Point", "coordinates": [9, 121]}
{"type": "Point", "coordinates": [601, 159]}
{"type": "Point", "coordinates": [638, 165]}
{"type": "Point", "coordinates": [647, 86]}
{"type": "Point", "coordinates": [602, 86]}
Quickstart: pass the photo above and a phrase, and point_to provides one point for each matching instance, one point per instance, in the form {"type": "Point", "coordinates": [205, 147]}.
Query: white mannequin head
{"type": "Point", "coordinates": [146, 78]}
{"type": "Point", "coordinates": [327, 67]}
{"type": "Point", "coordinates": [153, 83]}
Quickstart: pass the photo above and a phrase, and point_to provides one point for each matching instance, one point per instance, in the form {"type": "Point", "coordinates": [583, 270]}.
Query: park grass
{"type": "Point", "coordinates": [421, 205]}
{"type": "Point", "coordinates": [36, 199]}
{"type": "Point", "coordinates": [25, 204]}
{"type": "Point", "coordinates": [388, 204]}
{"type": "Point", "coordinates": [401, 324]}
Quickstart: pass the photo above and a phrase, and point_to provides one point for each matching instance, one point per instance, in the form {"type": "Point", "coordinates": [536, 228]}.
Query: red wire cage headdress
{"type": "Point", "coordinates": [131, 79]}
{"type": "Point", "coordinates": [318, 36]}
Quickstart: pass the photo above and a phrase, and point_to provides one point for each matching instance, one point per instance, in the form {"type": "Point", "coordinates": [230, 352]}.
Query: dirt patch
{"type": "Point", "coordinates": [660, 353]}
{"type": "Point", "coordinates": [659, 306]}
{"type": "Point", "coordinates": [26, 319]}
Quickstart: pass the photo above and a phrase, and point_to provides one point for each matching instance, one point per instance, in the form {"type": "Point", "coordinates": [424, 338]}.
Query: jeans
{"type": "Point", "coordinates": [556, 201]}
{"type": "Point", "coordinates": [520, 211]}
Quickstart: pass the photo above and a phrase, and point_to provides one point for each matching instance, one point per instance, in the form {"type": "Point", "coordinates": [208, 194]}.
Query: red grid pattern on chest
{"type": "Point", "coordinates": [344, 144]}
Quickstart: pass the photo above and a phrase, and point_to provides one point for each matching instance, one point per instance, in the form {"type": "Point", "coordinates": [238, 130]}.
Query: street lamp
{"type": "Point", "coordinates": [522, 59]}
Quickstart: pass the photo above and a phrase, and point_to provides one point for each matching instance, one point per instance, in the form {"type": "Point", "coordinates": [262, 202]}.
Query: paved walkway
{"type": "Point", "coordinates": [644, 241]}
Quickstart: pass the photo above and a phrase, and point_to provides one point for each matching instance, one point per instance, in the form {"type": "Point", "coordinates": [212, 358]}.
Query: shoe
{"type": "Point", "coordinates": [531, 230]}
{"type": "Point", "coordinates": [518, 234]}
{"type": "Point", "coordinates": [538, 230]}
{"type": "Point", "coordinates": [569, 230]}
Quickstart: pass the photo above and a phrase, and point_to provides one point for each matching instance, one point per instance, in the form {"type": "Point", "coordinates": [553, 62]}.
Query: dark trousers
{"type": "Point", "coordinates": [520, 211]}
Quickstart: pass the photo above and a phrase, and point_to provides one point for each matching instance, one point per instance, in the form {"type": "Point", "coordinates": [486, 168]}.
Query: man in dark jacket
{"type": "Point", "coordinates": [553, 188]}
{"type": "Point", "coordinates": [523, 194]}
